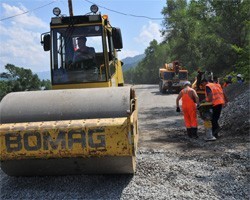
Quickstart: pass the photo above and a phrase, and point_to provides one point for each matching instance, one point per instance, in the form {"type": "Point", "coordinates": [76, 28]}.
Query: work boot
{"type": "Point", "coordinates": [189, 132]}
{"type": "Point", "coordinates": [215, 133]}
{"type": "Point", "coordinates": [194, 133]}
{"type": "Point", "coordinates": [209, 135]}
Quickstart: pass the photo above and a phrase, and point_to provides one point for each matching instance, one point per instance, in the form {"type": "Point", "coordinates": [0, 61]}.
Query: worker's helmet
{"type": "Point", "coordinates": [239, 76]}
{"type": "Point", "coordinates": [187, 83]}
{"type": "Point", "coordinates": [229, 77]}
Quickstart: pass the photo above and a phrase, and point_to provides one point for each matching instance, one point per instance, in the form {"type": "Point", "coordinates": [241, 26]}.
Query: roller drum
{"type": "Point", "coordinates": [71, 104]}
{"type": "Point", "coordinates": [52, 105]}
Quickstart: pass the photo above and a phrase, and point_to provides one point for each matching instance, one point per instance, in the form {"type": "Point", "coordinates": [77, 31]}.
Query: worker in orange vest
{"type": "Point", "coordinates": [214, 93]}
{"type": "Point", "coordinates": [189, 100]}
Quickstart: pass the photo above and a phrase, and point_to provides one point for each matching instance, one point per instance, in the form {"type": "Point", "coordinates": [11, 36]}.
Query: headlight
{"type": "Point", "coordinates": [94, 8]}
{"type": "Point", "coordinates": [56, 11]}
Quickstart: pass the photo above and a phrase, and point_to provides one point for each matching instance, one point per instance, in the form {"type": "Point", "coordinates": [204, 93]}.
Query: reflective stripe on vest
{"type": "Point", "coordinates": [217, 92]}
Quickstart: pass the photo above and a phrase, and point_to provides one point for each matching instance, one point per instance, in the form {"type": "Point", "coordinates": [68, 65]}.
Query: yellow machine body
{"type": "Point", "coordinates": [88, 123]}
{"type": "Point", "coordinates": [82, 138]}
{"type": "Point", "coordinates": [105, 146]}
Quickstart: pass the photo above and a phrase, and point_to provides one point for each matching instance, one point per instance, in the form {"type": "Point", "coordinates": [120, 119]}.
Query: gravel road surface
{"type": "Point", "coordinates": [169, 164]}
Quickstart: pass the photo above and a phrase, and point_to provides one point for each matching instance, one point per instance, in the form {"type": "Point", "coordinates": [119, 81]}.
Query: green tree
{"type": "Point", "coordinates": [5, 88]}
{"type": "Point", "coordinates": [208, 34]}
{"type": "Point", "coordinates": [148, 69]}
{"type": "Point", "coordinates": [23, 79]}
{"type": "Point", "coordinates": [46, 84]}
{"type": "Point", "coordinates": [20, 80]}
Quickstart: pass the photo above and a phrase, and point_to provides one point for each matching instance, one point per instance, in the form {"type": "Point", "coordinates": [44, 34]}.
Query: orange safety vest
{"type": "Point", "coordinates": [217, 92]}
{"type": "Point", "coordinates": [187, 100]}
{"type": "Point", "coordinates": [189, 109]}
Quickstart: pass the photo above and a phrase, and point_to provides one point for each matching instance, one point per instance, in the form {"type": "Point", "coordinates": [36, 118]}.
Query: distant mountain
{"type": "Point", "coordinates": [130, 62]}
{"type": "Point", "coordinates": [43, 75]}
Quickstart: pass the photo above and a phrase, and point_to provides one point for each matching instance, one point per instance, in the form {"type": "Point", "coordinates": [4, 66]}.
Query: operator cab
{"type": "Point", "coordinates": [73, 62]}
{"type": "Point", "coordinates": [69, 63]}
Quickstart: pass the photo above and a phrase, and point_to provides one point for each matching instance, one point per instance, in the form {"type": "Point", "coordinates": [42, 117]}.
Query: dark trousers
{"type": "Point", "coordinates": [216, 116]}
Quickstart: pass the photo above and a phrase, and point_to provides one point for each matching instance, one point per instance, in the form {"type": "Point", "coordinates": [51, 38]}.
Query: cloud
{"type": "Point", "coordinates": [28, 20]}
{"type": "Point", "coordinates": [148, 33]}
{"type": "Point", "coordinates": [20, 40]}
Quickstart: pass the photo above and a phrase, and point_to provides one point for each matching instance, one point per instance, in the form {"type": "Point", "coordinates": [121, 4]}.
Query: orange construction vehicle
{"type": "Point", "coordinates": [172, 76]}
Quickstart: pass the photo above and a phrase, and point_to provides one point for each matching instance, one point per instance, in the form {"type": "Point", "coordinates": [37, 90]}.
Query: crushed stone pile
{"type": "Point", "coordinates": [235, 116]}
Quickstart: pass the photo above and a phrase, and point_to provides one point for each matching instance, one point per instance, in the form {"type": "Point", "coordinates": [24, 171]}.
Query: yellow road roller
{"type": "Point", "coordinates": [88, 123]}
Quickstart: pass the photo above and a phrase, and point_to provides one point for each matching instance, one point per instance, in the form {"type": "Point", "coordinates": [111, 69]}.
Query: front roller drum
{"type": "Point", "coordinates": [64, 146]}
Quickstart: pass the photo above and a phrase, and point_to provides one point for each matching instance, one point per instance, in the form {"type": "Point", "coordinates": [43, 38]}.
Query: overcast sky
{"type": "Point", "coordinates": [20, 35]}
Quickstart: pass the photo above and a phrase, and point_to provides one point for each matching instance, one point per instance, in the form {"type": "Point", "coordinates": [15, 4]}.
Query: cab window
{"type": "Point", "coordinates": [77, 55]}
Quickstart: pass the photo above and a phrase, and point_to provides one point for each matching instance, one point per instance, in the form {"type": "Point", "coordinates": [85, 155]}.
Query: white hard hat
{"type": "Point", "coordinates": [239, 75]}
{"type": "Point", "coordinates": [186, 83]}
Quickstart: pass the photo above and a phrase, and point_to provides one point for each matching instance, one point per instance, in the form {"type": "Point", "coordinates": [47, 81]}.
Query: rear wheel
{"type": "Point", "coordinates": [170, 87]}
{"type": "Point", "coordinates": [164, 91]}
{"type": "Point", "coordinates": [160, 86]}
